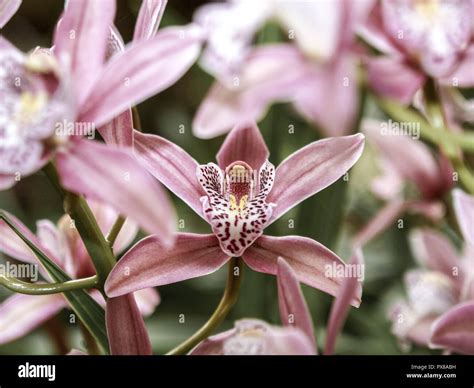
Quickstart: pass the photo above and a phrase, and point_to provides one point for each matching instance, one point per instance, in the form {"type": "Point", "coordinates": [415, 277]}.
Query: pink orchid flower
{"type": "Point", "coordinates": [46, 92]}
{"type": "Point", "coordinates": [419, 39]}
{"type": "Point", "coordinates": [438, 311]}
{"type": "Point", "coordinates": [20, 313]}
{"type": "Point", "coordinates": [405, 162]}
{"type": "Point", "coordinates": [257, 337]}
{"type": "Point", "coordinates": [8, 8]}
{"type": "Point", "coordinates": [239, 197]}
{"type": "Point", "coordinates": [317, 73]}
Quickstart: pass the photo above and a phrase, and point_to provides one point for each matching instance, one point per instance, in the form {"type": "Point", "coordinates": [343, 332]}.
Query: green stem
{"type": "Point", "coordinates": [436, 132]}
{"type": "Point", "coordinates": [21, 287]}
{"type": "Point", "coordinates": [438, 120]}
{"type": "Point", "coordinates": [114, 232]}
{"type": "Point", "coordinates": [228, 300]}
{"type": "Point", "coordinates": [436, 135]}
{"type": "Point", "coordinates": [86, 224]}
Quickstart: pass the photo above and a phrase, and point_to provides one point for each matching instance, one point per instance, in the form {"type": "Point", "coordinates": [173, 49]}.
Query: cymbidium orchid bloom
{"type": "Point", "coordinates": [257, 337]}
{"type": "Point", "coordinates": [317, 73]}
{"type": "Point", "coordinates": [419, 39]}
{"type": "Point", "coordinates": [407, 164]}
{"type": "Point", "coordinates": [51, 98]}
{"type": "Point", "coordinates": [239, 197]}
{"type": "Point", "coordinates": [22, 313]}
{"type": "Point", "coordinates": [440, 304]}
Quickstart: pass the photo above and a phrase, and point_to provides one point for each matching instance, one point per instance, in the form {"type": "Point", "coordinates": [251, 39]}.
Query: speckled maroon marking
{"type": "Point", "coordinates": [235, 203]}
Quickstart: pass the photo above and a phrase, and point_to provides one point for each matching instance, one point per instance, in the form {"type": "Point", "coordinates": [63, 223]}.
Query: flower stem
{"type": "Point", "coordinates": [231, 294]}
{"type": "Point", "coordinates": [114, 232]}
{"type": "Point", "coordinates": [21, 287]}
{"type": "Point", "coordinates": [436, 132]}
{"type": "Point", "coordinates": [435, 135]}
{"type": "Point", "coordinates": [86, 224]}
{"type": "Point", "coordinates": [438, 120]}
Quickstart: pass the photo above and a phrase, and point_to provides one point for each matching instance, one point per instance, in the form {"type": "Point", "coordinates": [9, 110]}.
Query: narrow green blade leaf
{"type": "Point", "coordinates": [91, 314]}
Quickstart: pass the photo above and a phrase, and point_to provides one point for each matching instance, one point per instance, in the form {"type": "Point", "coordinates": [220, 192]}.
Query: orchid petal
{"type": "Point", "coordinates": [149, 18]}
{"type": "Point", "coordinates": [142, 70]}
{"type": "Point", "coordinates": [293, 308]}
{"type": "Point", "coordinates": [7, 182]}
{"type": "Point", "coordinates": [393, 78]}
{"type": "Point", "coordinates": [113, 176]}
{"type": "Point", "coordinates": [289, 341]}
{"type": "Point", "coordinates": [14, 246]}
{"type": "Point", "coordinates": [271, 73]}
{"type": "Point", "coordinates": [433, 35]}
{"type": "Point", "coordinates": [20, 314]}
{"type": "Point", "coordinates": [80, 40]}
{"type": "Point", "coordinates": [125, 327]}
{"type": "Point", "coordinates": [50, 238]}
{"type": "Point", "coordinates": [214, 345]}
{"type": "Point", "coordinates": [373, 32]}
{"type": "Point", "coordinates": [230, 28]}
{"type": "Point", "coordinates": [410, 158]}
{"type": "Point", "coordinates": [8, 8]}
{"type": "Point", "coordinates": [244, 143]}
{"type": "Point", "coordinates": [172, 166]}
{"type": "Point", "coordinates": [463, 76]}
{"type": "Point", "coordinates": [106, 217]}
{"type": "Point", "coordinates": [237, 223]}
{"type": "Point", "coordinates": [311, 169]}
{"type": "Point", "coordinates": [119, 131]}
{"type": "Point", "coordinates": [309, 259]}
{"type": "Point", "coordinates": [256, 337]}
{"type": "Point", "coordinates": [147, 300]}
{"type": "Point", "coordinates": [464, 208]}
{"type": "Point", "coordinates": [115, 43]}
{"type": "Point", "coordinates": [148, 263]}
{"type": "Point", "coordinates": [380, 222]}
{"type": "Point", "coordinates": [435, 251]}
{"type": "Point", "coordinates": [330, 96]}
{"type": "Point", "coordinates": [317, 25]}
{"type": "Point", "coordinates": [432, 210]}
{"type": "Point", "coordinates": [455, 329]}
{"type": "Point", "coordinates": [349, 290]}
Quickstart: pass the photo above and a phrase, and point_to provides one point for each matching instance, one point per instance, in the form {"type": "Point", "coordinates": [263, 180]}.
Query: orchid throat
{"type": "Point", "coordinates": [235, 204]}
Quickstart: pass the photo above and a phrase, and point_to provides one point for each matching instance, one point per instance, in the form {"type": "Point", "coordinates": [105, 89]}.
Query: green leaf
{"type": "Point", "coordinates": [87, 309]}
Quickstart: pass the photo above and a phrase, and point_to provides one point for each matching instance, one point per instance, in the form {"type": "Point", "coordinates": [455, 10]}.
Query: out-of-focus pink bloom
{"type": "Point", "coordinates": [119, 130]}
{"type": "Point", "coordinates": [454, 330]}
{"type": "Point", "coordinates": [317, 73]}
{"type": "Point", "coordinates": [438, 311]}
{"type": "Point", "coordinates": [20, 313]}
{"type": "Point", "coordinates": [405, 162]}
{"type": "Point", "coordinates": [8, 8]}
{"type": "Point", "coordinates": [419, 39]}
{"type": "Point", "coordinates": [52, 98]}
{"type": "Point", "coordinates": [239, 197]}
{"type": "Point", "coordinates": [256, 337]}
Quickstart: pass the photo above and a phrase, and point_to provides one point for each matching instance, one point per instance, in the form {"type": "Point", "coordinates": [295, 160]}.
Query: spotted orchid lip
{"type": "Point", "coordinates": [235, 204]}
